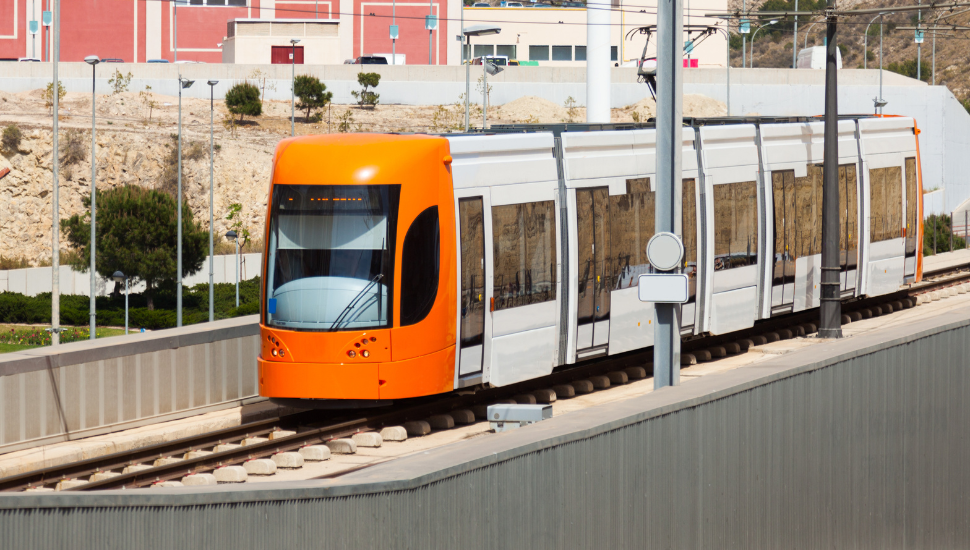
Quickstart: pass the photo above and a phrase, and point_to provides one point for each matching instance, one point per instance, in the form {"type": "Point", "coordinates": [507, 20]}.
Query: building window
{"type": "Point", "coordinates": [538, 53]}
{"type": "Point", "coordinates": [580, 53]}
{"type": "Point", "coordinates": [735, 225]}
{"type": "Point", "coordinates": [212, 3]}
{"type": "Point", "coordinates": [484, 49]}
{"type": "Point", "coordinates": [507, 51]}
{"type": "Point", "coordinates": [419, 267]}
{"type": "Point", "coordinates": [524, 253]}
{"type": "Point", "coordinates": [614, 53]}
{"type": "Point", "coordinates": [562, 53]}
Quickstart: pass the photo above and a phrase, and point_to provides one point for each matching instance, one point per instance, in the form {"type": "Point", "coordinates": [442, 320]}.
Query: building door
{"type": "Point", "coordinates": [283, 55]}
{"type": "Point", "coordinates": [593, 240]}
{"type": "Point", "coordinates": [471, 220]}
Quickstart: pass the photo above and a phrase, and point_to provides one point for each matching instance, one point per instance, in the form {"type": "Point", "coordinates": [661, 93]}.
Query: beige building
{"type": "Point", "coordinates": [557, 36]}
{"type": "Point", "coordinates": [257, 41]}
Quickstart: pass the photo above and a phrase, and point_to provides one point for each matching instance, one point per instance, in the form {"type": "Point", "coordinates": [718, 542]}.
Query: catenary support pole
{"type": "Point", "coordinates": [744, 37]}
{"type": "Point", "coordinates": [126, 305]}
{"type": "Point", "coordinates": [237, 271]}
{"type": "Point", "coordinates": [880, 59]}
{"type": "Point", "coordinates": [794, 42]}
{"type": "Point", "coordinates": [666, 346]}
{"type": "Point", "coordinates": [430, 32]}
{"type": "Point", "coordinates": [212, 108]}
{"type": "Point", "coordinates": [727, 35]}
{"type": "Point", "coordinates": [175, 29]}
{"type": "Point", "coordinates": [55, 202]}
{"type": "Point", "coordinates": [919, 45]}
{"type": "Point", "coordinates": [598, 62]}
{"type": "Point", "coordinates": [178, 274]}
{"type": "Point", "coordinates": [94, 206]}
{"type": "Point", "coordinates": [468, 77]}
{"type": "Point", "coordinates": [830, 325]}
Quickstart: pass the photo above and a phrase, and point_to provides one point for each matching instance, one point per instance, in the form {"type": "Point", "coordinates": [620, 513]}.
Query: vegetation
{"type": "Point", "coordinates": [119, 82]}
{"type": "Point", "coordinates": [11, 138]}
{"type": "Point", "coordinates": [17, 308]}
{"type": "Point", "coordinates": [14, 263]}
{"type": "Point", "coordinates": [137, 235]}
{"type": "Point", "coordinates": [73, 149]}
{"type": "Point", "coordinates": [49, 94]}
{"type": "Point", "coordinates": [936, 235]}
{"type": "Point", "coordinates": [908, 68]}
{"type": "Point", "coordinates": [572, 110]}
{"type": "Point", "coordinates": [235, 216]}
{"type": "Point", "coordinates": [19, 338]}
{"type": "Point", "coordinates": [365, 96]}
{"type": "Point", "coordinates": [313, 95]}
{"type": "Point", "coordinates": [243, 99]}
{"type": "Point", "coordinates": [148, 100]}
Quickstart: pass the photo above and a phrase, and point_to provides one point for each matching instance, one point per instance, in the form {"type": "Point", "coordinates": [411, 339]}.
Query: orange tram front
{"type": "Point", "coordinates": [359, 290]}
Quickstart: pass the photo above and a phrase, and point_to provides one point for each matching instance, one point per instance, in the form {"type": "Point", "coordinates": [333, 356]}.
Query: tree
{"type": "Point", "coordinates": [137, 234]}
{"type": "Point", "coordinates": [367, 81]}
{"type": "Point", "coordinates": [119, 82]}
{"type": "Point", "coordinates": [313, 94]}
{"type": "Point", "coordinates": [49, 94]}
{"type": "Point", "coordinates": [243, 99]}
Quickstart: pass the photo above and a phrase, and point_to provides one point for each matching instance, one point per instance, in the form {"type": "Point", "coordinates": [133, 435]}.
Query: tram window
{"type": "Point", "coordinates": [808, 212]}
{"type": "Point", "coordinates": [735, 225]}
{"type": "Point", "coordinates": [420, 258]}
{"type": "Point", "coordinates": [631, 226]}
{"type": "Point", "coordinates": [783, 193]}
{"type": "Point", "coordinates": [911, 206]}
{"type": "Point", "coordinates": [885, 187]}
{"type": "Point", "coordinates": [524, 243]}
{"type": "Point", "coordinates": [689, 228]}
{"type": "Point", "coordinates": [848, 212]}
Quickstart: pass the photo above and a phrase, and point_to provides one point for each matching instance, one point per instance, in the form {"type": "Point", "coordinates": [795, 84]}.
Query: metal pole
{"type": "Point", "coordinates": [55, 203]}
{"type": "Point", "coordinates": [727, 34]}
{"type": "Point", "coordinates": [831, 306]}
{"type": "Point", "coordinates": [393, 40]}
{"type": "Point", "coordinates": [950, 231]}
{"type": "Point", "coordinates": [934, 58]}
{"type": "Point", "coordinates": [880, 59]}
{"type": "Point", "coordinates": [178, 284]}
{"type": "Point", "coordinates": [936, 222]}
{"type": "Point", "coordinates": [94, 205]}
{"type": "Point", "coordinates": [794, 42]}
{"type": "Point", "coordinates": [468, 77]}
{"type": "Point", "coordinates": [484, 93]}
{"type": "Point", "coordinates": [666, 347]}
{"type": "Point", "coordinates": [744, 37]}
{"type": "Point", "coordinates": [293, 91]}
{"type": "Point", "coordinates": [126, 305]}
{"type": "Point", "coordinates": [598, 64]}
{"type": "Point", "coordinates": [919, 45]}
{"type": "Point", "coordinates": [176, 48]}
{"type": "Point", "coordinates": [430, 31]}
{"type": "Point", "coordinates": [965, 240]}
{"type": "Point", "coordinates": [237, 271]}
{"type": "Point", "coordinates": [212, 299]}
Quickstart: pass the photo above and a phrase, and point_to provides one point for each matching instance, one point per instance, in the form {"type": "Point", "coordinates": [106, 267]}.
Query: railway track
{"type": "Point", "coordinates": [175, 460]}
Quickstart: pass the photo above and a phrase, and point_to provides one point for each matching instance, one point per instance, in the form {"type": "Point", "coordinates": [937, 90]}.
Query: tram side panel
{"type": "Point", "coordinates": [611, 187]}
{"type": "Point", "coordinates": [506, 190]}
{"type": "Point", "coordinates": [730, 200]}
{"type": "Point", "coordinates": [890, 166]}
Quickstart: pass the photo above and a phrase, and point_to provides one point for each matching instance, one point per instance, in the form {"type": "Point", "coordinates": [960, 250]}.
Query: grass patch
{"type": "Point", "coordinates": [7, 348]}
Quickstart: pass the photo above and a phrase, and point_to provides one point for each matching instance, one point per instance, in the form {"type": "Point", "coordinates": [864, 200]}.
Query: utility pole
{"type": "Point", "coordinates": [55, 206]}
{"type": "Point", "coordinates": [670, 28]}
{"type": "Point", "coordinates": [830, 325]}
{"type": "Point", "coordinates": [794, 43]}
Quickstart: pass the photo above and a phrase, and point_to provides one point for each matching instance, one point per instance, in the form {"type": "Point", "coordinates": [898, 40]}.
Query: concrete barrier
{"type": "Point", "coordinates": [87, 388]}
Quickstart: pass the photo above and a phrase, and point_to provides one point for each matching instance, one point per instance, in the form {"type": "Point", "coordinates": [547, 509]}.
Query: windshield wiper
{"type": "Point", "coordinates": [353, 303]}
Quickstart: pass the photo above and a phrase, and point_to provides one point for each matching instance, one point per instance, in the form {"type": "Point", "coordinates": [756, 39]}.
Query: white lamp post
{"type": "Point", "coordinates": [474, 30]}
{"type": "Point", "coordinates": [231, 235]}
{"type": "Point", "coordinates": [118, 278]}
{"type": "Point", "coordinates": [184, 84]}
{"type": "Point", "coordinates": [487, 69]}
{"type": "Point", "coordinates": [772, 22]}
{"type": "Point", "coordinates": [92, 60]}
{"type": "Point", "coordinates": [293, 42]}
{"type": "Point", "coordinates": [212, 108]}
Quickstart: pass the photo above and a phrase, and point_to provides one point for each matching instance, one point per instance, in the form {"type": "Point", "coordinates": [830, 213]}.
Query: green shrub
{"type": "Point", "coordinates": [313, 95]}
{"type": "Point", "coordinates": [11, 138]}
{"type": "Point", "coordinates": [365, 96]}
{"type": "Point", "coordinates": [243, 99]}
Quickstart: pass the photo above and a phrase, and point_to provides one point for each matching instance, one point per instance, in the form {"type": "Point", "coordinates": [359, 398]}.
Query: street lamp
{"type": "Point", "coordinates": [231, 235]}
{"type": "Point", "coordinates": [119, 277]}
{"type": "Point", "coordinates": [212, 108]}
{"type": "Point", "coordinates": [293, 42]}
{"type": "Point", "coordinates": [184, 84]}
{"type": "Point", "coordinates": [772, 22]}
{"type": "Point", "coordinates": [487, 69]}
{"type": "Point", "coordinates": [474, 30]}
{"type": "Point", "coordinates": [92, 60]}
{"type": "Point", "coordinates": [807, 31]}
{"type": "Point", "coordinates": [880, 102]}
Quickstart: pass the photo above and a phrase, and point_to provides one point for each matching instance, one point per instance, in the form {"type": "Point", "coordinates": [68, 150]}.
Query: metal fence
{"type": "Point", "coordinates": [85, 388]}
{"type": "Point", "coordinates": [860, 443]}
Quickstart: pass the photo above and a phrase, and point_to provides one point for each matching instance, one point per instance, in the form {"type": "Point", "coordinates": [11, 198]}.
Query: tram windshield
{"type": "Point", "coordinates": [331, 256]}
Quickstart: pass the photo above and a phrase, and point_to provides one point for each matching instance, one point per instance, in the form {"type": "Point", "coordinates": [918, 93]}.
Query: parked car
{"type": "Point", "coordinates": [514, 5]}
{"type": "Point", "coordinates": [500, 60]}
{"type": "Point", "coordinates": [112, 60]}
{"type": "Point", "coordinates": [370, 60]}
{"type": "Point", "coordinates": [157, 61]}
{"type": "Point", "coordinates": [574, 4]}
{"type": "Point", "coordinates": [541, 5]}
{"type": "Point", "coordinates": [29, 59]}
{"type": "Point", "coordinates": [481, 5]}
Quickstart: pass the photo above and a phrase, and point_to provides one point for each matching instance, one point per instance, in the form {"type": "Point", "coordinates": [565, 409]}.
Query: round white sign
{"type": "Point", "coordinates": [665, 251]}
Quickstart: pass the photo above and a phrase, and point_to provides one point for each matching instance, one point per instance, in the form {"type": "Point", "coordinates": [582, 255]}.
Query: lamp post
{"type": "Point", "coordinates": [212, 108]}
{"type": "Point", "coordinates": [487, 69]}
{"type": "Point", "coordinates": [794, 42]}
{"type": "Point", "coordinates": [55, 197]}
{"type": "Point", "coordinates": [92, 60]}
{"type": "Point", "coordinates": [175, 30]}
{"type": "Point", "coordinates": [474, 30]}
{"type": "Point", "coordinates": [231, 235]}
{"type": "Point", "coordinates": [880, 102]}
{"type": "Point", "coordinates": [807, 31]}
{"type": "Point", "coordinates": [865, 42]}
{"type": "Point", "coordinates": [772, 22]}
{"type": "Point", "coordinates": [118, 278]}
{"type": "Point", "coordinates": [293, 42]}
{"type": "Point", "coordinates": [184, 84]}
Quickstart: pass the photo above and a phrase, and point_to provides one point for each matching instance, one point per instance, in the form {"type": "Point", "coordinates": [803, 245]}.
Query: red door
{"type": "Point", "coordinates": [281, 55]}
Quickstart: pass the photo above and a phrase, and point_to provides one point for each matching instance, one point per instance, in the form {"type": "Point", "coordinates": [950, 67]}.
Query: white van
{"type": "Point", "coordinates": [814, 58]}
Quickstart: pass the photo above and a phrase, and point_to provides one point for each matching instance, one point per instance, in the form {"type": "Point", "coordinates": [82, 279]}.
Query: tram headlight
{"type": "Point", "coordinates": [365, 353]}
{"type": "Point", "coordinates": [351, 354]}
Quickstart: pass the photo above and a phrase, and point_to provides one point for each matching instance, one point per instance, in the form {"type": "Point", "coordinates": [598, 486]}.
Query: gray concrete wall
{"type": "Point", "coordinates": [859, 443]}
{"type": "Point", "coordinates": [37, 280]}
{"type": "Point", "coordinates": [87, 388]}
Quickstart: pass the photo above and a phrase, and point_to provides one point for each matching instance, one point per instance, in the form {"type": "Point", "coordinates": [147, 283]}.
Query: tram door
{"type": "Point", "coordinates": [783, 280]}
{"type": "Point", "coordinates": [595, 280]}
{"type": "Point", "coordinates": [848, 225]}
{"type": "Point", "coordinates": [471, 219]}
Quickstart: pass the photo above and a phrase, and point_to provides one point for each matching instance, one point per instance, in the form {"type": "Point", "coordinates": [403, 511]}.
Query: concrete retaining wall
{"type": "Point", "coordinates": [37, 280]}
{"type": "Point", "coordinates": [86, 388]}
{"type": "Point", "coordinates": [859, 443]}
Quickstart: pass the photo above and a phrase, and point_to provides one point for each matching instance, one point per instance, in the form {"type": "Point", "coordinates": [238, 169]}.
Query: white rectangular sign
{"type": "Point", "coordinates": [663, 288]}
